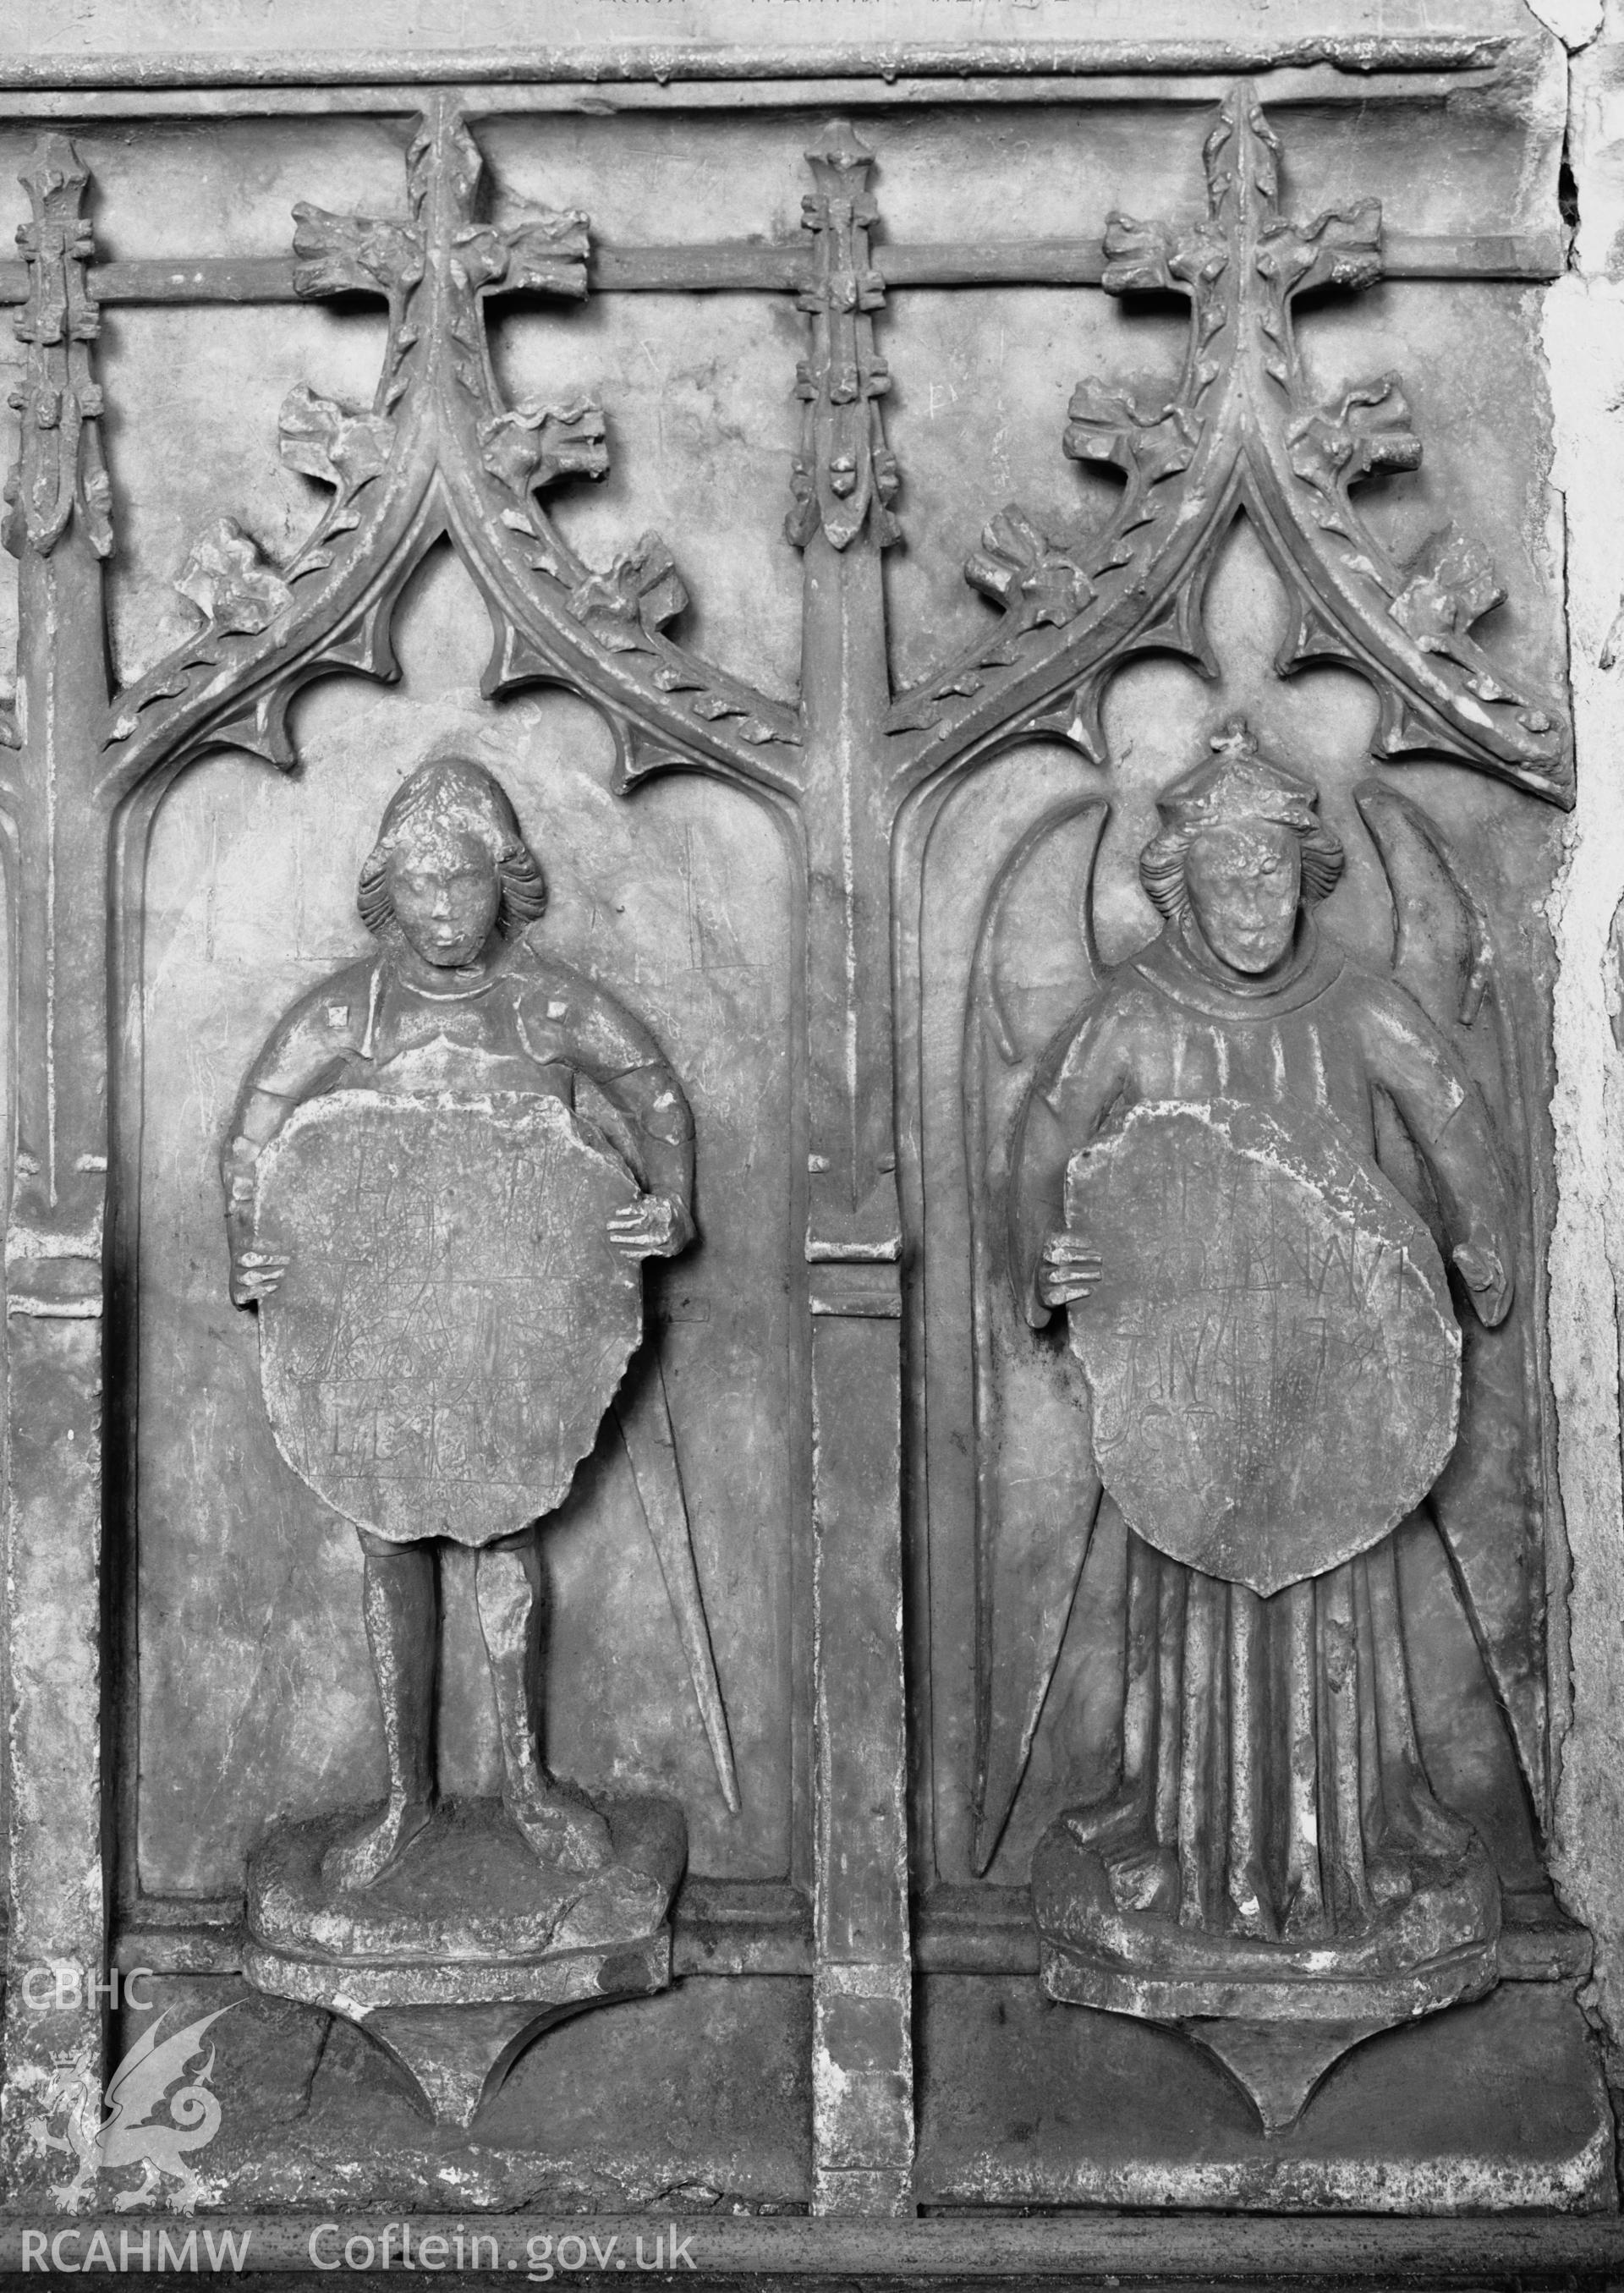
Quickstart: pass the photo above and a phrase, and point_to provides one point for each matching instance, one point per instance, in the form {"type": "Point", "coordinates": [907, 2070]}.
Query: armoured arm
{"type": "Point", "coordinates": [654, 1103]}
{"type": "Point", "coordinates": [617, 1053]}
{"type": "Point", "coordinates": [1443, 1112]}
{"type": "Point", "coordinates": [307, 1053]}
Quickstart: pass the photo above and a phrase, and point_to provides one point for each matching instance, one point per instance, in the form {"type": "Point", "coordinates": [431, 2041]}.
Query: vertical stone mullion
{"type": "Point", "coordinates": [861, 2004]}
{"type": "Point", "coordinates": [863, 2072]}
{"type": "Point", "coordinates": [57, 525]}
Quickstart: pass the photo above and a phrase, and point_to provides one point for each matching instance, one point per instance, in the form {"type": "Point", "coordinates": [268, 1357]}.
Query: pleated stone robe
{"type": "Point", "coordinates": [1272, 1785]}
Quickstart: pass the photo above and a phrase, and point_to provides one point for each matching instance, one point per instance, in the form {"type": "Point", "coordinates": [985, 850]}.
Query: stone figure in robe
{"type": "Point", "coordinates": [507, 1144]}
{"type": "Point", "coordinates": [1274, 1815]}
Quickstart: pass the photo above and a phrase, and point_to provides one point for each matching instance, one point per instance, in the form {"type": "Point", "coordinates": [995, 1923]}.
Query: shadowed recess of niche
{"type": "Point", "coordinates": [256, 1688]}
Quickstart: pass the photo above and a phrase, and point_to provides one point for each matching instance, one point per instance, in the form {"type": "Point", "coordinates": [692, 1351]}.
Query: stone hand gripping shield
{"type": "Point", "coordinates": [454, 1320]}
{"type": "Point", "coordinates": [437, 1359]}
{"type": "Point", "coordinates": [1272, 1356]}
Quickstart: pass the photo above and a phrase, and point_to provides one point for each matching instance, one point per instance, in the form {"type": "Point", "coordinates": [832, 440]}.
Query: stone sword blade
{"type": "Point", "coordinates": [645, 1420]}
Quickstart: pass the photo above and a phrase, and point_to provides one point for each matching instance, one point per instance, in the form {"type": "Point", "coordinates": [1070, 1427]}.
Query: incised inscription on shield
{"type": "Point", "coordinates": [454, 1319]}
{"type": "Point", "coordinates": [1267, 1300]}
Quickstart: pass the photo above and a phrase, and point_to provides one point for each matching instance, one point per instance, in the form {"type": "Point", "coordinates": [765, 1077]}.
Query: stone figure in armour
{"type": "Point", "coordinates": [1208, 1186]}
{"type": "Point", "coordinates": [478, 1145]}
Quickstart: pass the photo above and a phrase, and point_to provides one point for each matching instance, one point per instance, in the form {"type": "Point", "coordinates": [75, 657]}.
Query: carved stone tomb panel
{"type": "Point", "coordinates": [781, 1408]}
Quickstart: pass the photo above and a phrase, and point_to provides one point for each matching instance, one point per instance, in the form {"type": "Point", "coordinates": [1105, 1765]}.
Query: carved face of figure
{"type": "Point", "coordinates": [1245, 884]}
{"type": "Point", "coordinates": [445, 891]}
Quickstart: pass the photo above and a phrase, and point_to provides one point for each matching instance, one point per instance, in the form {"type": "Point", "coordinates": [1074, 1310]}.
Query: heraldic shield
{"type": "Point", "coordinates": [454, 1320]}
{"type": "Point", "coordinates": [1268, 1299]}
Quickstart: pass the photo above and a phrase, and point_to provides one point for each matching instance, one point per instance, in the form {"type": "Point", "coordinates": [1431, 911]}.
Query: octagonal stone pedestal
{"type": "Point", "coordinates": [468, 1948]}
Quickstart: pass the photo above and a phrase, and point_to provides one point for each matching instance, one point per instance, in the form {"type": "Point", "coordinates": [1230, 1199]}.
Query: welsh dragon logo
{"type": "Point", "coordinates": [153, 2075]}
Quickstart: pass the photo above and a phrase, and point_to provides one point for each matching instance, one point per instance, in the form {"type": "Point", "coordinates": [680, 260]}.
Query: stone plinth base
{"type": "Point", "coordinates": [469, 1947]}
{"type": "Point", "coordinates": [1497, 2106]}
{"type": "Point", "coordinates": [1278, 2016]}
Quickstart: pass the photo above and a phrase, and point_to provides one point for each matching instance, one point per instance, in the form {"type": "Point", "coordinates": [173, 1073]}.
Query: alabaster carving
{"type": "Point", "coordinates": [443, 1245]}
{"type": "Point", "coordinates": [462, 1300]}
{"type": "Point", "coordinates": [932, 1110]}
{"type": "Point", "coordinates": [1272, 1361]}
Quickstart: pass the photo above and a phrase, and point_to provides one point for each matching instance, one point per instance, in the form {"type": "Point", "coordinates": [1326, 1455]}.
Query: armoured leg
{"type": "Point", "coordinates": [400, 1609]}
{"type": "Point", "coordinates": [558, 1825]}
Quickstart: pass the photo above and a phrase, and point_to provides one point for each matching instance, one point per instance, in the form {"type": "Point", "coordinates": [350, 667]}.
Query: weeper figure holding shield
{"type": "Point", "coordinates": [442, 1229]}
{"type": "Point", "coordinates": [1242, 1174]}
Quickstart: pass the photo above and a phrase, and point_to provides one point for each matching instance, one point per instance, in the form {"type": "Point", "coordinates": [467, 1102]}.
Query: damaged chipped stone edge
{"type": "Point", "coordinates": [1576, 23]}
{"type": "Point", "coordinates": [630, 61]}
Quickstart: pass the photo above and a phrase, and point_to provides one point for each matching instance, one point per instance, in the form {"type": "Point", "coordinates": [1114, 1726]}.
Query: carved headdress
{"type": "Point", "coordinates": [1239, 783]}
{"type": "Point", "coordinates": [445, 800]}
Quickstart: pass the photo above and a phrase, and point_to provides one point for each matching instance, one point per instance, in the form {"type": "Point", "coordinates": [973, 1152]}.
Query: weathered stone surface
{"type": "Point", "coordinates": [55, 1779]}
{"type": "Point", "coordinates": [1269, 1300]}
{"type": "Point", "coordinates": [148, 27]}
{"type": "Point", "coordinates": [1582, 338]}
{"type": "Point", "coordinates": [1496, 2105]}
{"type": "Point", "coordinates": [693, 2099]}
{"type": "Point", "coordinates": [466, 1949]}
{"type": "Point", "coordinates": [466, 1895]}
{"type": "Point", "coordinates": [1424, 1954]}
{"type": "Point", "coordinates": [455, 1320]}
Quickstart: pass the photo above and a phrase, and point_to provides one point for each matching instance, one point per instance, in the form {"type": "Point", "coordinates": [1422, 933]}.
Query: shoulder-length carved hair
{"type": "Point", "coordinates": [1240, 784]}
{"type": "Point", "coordinates": [453, 797]}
